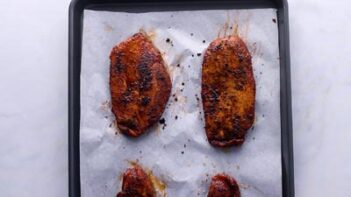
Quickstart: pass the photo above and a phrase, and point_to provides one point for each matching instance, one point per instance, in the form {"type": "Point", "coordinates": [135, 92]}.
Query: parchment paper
{"type": "Point", "coordinates": [178, 153]}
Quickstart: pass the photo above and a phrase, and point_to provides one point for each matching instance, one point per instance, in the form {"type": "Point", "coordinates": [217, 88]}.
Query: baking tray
{"type": "Point", "coordinates": [75, 42]}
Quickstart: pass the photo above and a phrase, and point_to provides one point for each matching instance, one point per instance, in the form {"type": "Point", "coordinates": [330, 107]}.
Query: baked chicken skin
{"type": "Point", "coordinates": [140, 85]}
{"type": "Point", "coordinates": [228, 91]}
{"type": "Point", "coordinates": [223, 185]}
{"type": "Point", "coordinates": [136, 183]}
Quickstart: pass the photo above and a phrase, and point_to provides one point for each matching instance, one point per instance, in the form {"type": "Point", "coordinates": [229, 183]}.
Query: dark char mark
{"type": "Point", "coordinates": [119, 67]}
{"type": "Point", "coordinates": [145, 77]}
{"type": "Point", "coordinates": [126, 97]}
{"type": "Point", "coordinates": [145, 101]}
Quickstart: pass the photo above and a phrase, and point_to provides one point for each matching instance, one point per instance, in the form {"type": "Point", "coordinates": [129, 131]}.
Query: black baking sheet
{"type": "Point", "coordinates": [75, 39]}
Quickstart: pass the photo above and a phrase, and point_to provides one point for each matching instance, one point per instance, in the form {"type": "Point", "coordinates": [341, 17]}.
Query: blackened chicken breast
{"type": "Point", "coordinates": [228, 91]}
{"type": "Point", "coordinates": [223, 185]}
{"type": "Point", "coordinates": [136, 183]}
{"type": "Point", "coordinates": [140, 85]}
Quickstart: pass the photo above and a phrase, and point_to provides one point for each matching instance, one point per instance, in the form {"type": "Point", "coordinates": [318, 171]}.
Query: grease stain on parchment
{"type": "Point", "coordinates": [231, 26]}
{"type": "Point", "coordinates": [107, 27]}
{"type": "Point", "coordinates": [159, 185]}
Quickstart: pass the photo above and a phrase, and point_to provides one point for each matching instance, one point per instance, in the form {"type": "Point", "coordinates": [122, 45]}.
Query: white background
{"type": "Point", "coordinates": [33, 98]}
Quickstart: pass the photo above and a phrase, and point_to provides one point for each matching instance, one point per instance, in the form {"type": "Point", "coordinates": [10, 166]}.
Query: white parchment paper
{"type": "Point", "coordinates": [179, 153]}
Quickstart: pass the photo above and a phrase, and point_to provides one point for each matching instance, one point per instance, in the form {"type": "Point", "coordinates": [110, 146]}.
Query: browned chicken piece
{"type": "Point", "coordinates": [136, 183]}
{"type": "Point", "coordinates": [228, 91]}
{"type": "Point", "coordinates": [223, 185]}
{"type": "Point", "coordinates": [140, 85]}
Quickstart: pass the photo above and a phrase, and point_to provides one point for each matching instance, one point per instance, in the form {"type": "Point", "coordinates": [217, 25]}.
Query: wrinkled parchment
{"type": "Point", "coordinates": [179, 153]}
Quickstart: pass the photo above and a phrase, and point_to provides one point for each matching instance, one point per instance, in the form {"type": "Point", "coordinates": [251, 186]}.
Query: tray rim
{"type": "Point", "coordinates": [76, 9]}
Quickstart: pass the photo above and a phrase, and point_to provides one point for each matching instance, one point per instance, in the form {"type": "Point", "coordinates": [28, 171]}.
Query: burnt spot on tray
{"type": "Point", "coordinates": [197, 97]}
{"type": "Point", "coordinates": [169, 41]}
{"type": "Point", "coordinates": [162, 121]}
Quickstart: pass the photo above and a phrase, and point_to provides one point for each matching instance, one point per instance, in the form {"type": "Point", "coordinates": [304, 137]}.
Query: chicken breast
{"type": "Point", "coordinates": [228, 91]}
{"type": "Point", "coordinates": [140, 85]}
{"type": "Point", "coordinates": [223, 186]}
{"type": "Point", "coordinates": [136, 183]}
